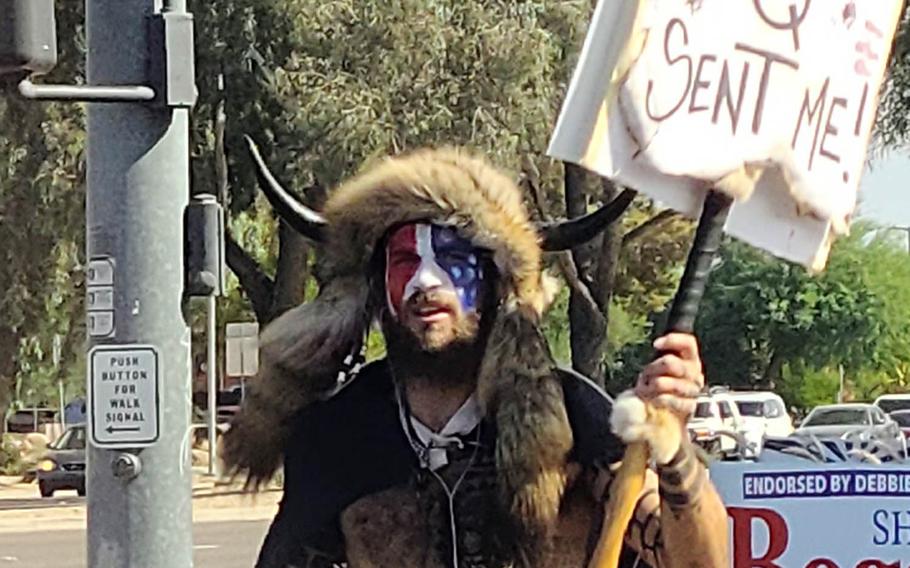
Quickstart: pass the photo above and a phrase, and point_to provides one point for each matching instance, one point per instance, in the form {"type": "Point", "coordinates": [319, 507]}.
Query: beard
{"type": "Point", "coordinates": [438, 349]}
{"type": "Point", "coordinates": [457, 328]}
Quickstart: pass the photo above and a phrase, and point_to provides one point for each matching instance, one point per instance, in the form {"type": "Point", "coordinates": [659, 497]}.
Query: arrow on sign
{"type": "Point", "coordinates": [111, 429]}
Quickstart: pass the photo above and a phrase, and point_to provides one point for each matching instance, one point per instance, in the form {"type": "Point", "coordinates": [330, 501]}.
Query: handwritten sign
{"type": "Point", "coordinates": [772, 101]}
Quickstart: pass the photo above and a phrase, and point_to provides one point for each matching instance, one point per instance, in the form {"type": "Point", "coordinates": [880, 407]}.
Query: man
{"type": "Point", "coordinates": [466, 446]}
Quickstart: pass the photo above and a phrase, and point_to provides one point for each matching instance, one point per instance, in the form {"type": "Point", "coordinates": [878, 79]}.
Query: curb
{"type": "Point", "coordinates": [213, 507]}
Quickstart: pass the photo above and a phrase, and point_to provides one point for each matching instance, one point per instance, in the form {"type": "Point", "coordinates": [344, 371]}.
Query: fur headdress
{"type": "Point", "coordinates": [303, 351]}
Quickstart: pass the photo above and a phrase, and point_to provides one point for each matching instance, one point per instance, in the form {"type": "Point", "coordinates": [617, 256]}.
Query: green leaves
{"type": "Point", "coordinates": [764, 321]}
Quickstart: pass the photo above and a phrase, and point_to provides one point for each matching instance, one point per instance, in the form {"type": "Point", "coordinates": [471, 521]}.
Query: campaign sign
{"type": "Point", "coordinates": [816, 515]}
{"type": "Point", "coordinates": [771, 101]}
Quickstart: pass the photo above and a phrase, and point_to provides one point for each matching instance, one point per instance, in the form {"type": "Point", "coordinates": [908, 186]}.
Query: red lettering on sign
{"type": "Point", "coordinates": [822, 563]}
{"type": "Point", "coordinates": [779, 537]}
{"type": "Point", "coordinates": [878, 564]}
{"type": "Point", "coordinates": [778, 540]}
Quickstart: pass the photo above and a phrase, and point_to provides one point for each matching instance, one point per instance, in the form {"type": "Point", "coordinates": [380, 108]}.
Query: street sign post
{"type": "Point", "coordinates": [140, 81]}
{"type": "Point", "coordinates": [139, 480]}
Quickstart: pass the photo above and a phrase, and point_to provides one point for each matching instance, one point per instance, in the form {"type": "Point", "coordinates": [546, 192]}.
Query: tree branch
{"type": "Point", "coordinates": [258, 286]}
{"type": "Point", "coordinates": [530, 181]}
{"type": "Point", "coordinates": [649, 225]}
{"type": "Point", "coordinates": [567, 268]}
{"type": "Point", "coordinates": [608, 254]}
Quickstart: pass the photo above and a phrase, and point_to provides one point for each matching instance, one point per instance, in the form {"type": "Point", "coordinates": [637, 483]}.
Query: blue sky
{"type": "Point", "coordinates": [884, 193]}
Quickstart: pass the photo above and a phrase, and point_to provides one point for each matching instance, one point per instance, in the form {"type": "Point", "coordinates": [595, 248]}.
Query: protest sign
{"type": "Point", "coordinates": [771, 101]}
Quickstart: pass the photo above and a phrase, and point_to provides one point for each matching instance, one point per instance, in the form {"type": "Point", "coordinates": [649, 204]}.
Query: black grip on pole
{"type": "Point", "coordinates": [698, 266]}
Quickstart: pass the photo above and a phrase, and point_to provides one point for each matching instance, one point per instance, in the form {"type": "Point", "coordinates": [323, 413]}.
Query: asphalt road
{"type": "Point", "coordinates": [216, 545]}
{"type": "Point", "coordinates": [61, 499]}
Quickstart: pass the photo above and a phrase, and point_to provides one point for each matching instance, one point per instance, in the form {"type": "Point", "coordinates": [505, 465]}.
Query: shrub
{"type": "Point", "coordinates": [11, 462]}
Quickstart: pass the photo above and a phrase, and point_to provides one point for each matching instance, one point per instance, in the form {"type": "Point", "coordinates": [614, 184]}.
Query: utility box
{"type": "Point", "coordinates": [203, 257]}
{"type": "Point", "coordinates": [28, 36]}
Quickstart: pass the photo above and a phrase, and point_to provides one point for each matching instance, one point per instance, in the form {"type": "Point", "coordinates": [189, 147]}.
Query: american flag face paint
{"type": "Point", "coordinates": [421, 257]}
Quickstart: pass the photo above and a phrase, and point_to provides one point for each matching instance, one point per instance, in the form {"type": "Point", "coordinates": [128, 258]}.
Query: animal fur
{"type": "Point", "coordinates": [303, 350]}
{"type": "Point", "coordinates": [299, 358]}
{"type": "Point", "coordinates": [633, 420]}
{"type": "Point", "coordinates": [518, 387]}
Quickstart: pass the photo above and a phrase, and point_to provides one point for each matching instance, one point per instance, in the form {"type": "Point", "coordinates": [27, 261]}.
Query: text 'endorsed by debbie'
{"type": "Point", "coordinates": [827, 483]}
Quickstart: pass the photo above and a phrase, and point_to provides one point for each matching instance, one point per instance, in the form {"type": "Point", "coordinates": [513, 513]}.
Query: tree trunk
{"type": "Point", "coordinates": [257, 286]}
{"type": "Point", "coordinates": [585, 320]}
{"type": "Point", "coordinates": [292, 271]}
{"type": "Point", "coordinates": [772, 371]}
{"type": "Point", "coordinates": [9, 348]}
{"type": "Point", "coordinates": [595, 264]}
{"type": "Point", "coordinates": [605, 277]}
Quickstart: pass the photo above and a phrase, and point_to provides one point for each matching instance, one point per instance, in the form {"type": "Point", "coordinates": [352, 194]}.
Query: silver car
{"type": "Point", "coordinates": [855, 421]}
{"type": "Point", "coordinates": [63, 467]}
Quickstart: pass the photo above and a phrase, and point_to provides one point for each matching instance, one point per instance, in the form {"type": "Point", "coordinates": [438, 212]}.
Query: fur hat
{"type": "Point", "coordinates": [303, 351]}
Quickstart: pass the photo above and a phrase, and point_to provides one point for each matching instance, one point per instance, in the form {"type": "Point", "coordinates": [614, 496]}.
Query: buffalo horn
{"type": "Point", "coordinates": [301, 218]}
{"type": "Point", "coordinates": [564, 235]}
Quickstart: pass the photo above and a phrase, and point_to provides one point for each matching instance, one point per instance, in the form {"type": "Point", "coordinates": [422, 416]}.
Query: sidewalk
{"type": "Point", "coordinates": [212, 502]}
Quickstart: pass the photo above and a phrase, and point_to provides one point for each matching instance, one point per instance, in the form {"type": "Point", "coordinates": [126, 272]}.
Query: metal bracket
{"type": "Point", "coordinates": [85, 93]}
{"type": "Point", "coordinates": [171, 71]}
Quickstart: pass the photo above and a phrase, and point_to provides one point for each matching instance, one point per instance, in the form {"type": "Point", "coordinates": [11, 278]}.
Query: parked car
{"type": "Point", "coordinates": [763, 415]}
{"type": "Point", "coordinates": [29, 420]}
{"type": "Point", "coordinates": [714, 414]}
{"type": "Point", "coordinates": [892, 402]}
{"type": "Point", "coordinates": [854, 420]}
{"type": "Point", "coordinates": [63, 466]}
{"type": "Point", "coordinates": [902, 417]}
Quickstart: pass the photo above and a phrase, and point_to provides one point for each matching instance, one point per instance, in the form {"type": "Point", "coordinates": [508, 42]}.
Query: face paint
{"type": "Point", "coordinates": [423, 257]}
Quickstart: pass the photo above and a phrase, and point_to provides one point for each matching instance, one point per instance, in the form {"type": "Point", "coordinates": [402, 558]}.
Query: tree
{"type": "Point", "coordinates": [301, 80]}
{"type": "Point", "coordinates": [489, 75]}
{"type": "Point", "coordinates": [764, 319]}
{"type": "Point", "coordinates": [892, 127]}
{"type": "Point", "coordinates": [42, 231]}
{"type": "Point", "coordinates": [325, 86]}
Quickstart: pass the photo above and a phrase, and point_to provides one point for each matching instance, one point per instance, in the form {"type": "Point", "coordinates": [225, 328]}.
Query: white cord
{"type": "Point", "coordinates": [451, 497]}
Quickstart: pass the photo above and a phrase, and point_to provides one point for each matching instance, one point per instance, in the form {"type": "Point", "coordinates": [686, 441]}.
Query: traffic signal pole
{"type": "Point", "coordinates": [139, 479]}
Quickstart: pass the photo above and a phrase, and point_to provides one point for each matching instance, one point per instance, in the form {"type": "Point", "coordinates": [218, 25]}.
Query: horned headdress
{"type": "Point", "coordinates": [303, 351]}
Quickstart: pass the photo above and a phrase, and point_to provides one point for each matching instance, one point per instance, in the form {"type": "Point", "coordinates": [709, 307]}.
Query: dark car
{"type": "Point", "coordinates": [63, 467]}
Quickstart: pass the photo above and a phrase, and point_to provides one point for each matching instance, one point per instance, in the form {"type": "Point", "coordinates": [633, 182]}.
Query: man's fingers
{"type": "Point", "coordinates": [662, 385]}
{"type": "Point", "coordinates": [667, 365]}
{"type": "Point", "coordinates": [677, 405]}
{"type": "Point", "coordinates": [683, 344]}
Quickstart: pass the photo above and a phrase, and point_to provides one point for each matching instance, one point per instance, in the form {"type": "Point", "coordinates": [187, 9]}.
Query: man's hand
{"type": "Point", "coordinates": [673, 380]}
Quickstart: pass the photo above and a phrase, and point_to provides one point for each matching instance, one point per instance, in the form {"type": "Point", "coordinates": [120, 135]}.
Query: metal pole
{"type": "Point", "coordinates": [84, 93]}
{"type": "Point", "coordinates": [840, 388]}
{"type": "Point", "coordinates": [139, 500]}
{"type": "Point", "coordinates": [62, 406]}
{"type": "Point", "coordinates": [212, 388]}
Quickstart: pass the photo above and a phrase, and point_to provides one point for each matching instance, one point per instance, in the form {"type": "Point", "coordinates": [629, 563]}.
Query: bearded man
{"type": "Point", "coordinates": [467, 446]}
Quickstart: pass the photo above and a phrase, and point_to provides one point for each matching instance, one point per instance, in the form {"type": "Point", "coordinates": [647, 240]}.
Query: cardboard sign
{"type": "Point", "coordinates": [772, 101]}
{"type": "Point", "coordinates": [816, 515]}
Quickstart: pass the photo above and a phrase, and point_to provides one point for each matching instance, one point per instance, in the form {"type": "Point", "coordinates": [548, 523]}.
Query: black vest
{"type": "Point", "coordinates": [352, 446]}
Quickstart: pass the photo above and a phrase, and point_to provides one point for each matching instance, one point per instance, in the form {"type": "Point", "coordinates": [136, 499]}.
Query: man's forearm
{"type": "Point", "coordinates": [693, 518]}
